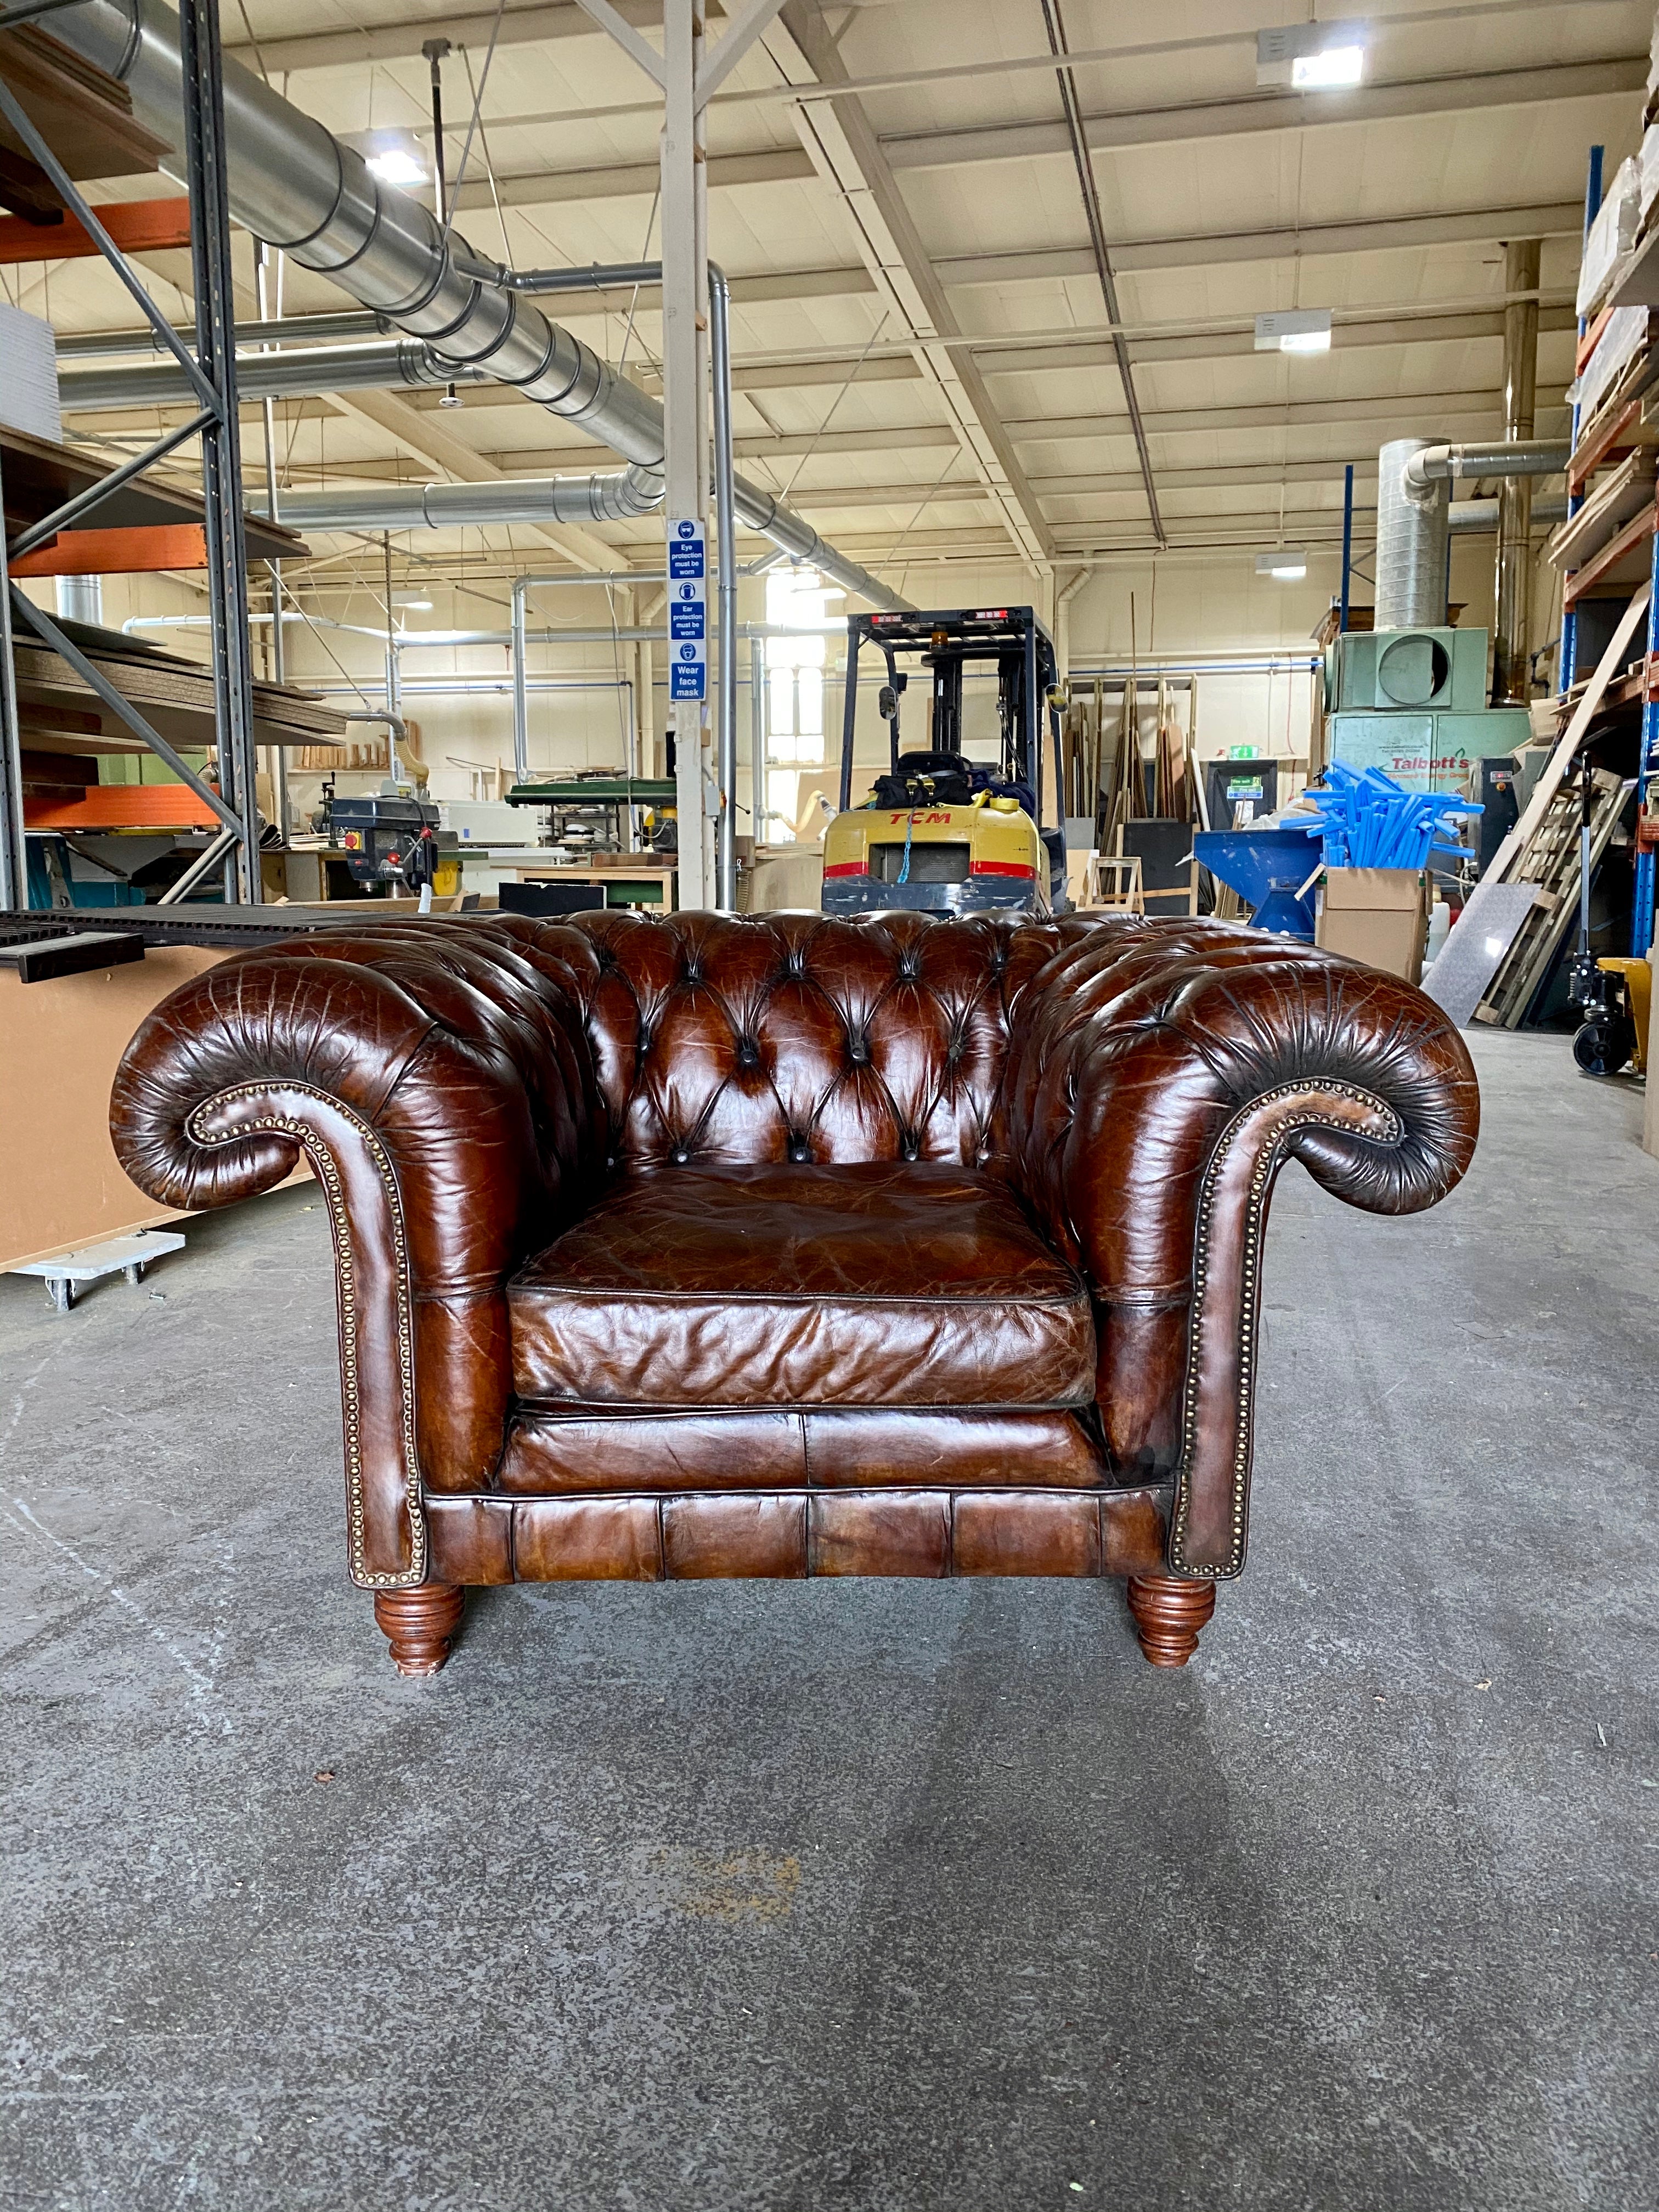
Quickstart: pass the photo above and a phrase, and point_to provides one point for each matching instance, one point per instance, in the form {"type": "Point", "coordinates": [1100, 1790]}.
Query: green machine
{"type": "Point", "coordinates": [1413, 703]}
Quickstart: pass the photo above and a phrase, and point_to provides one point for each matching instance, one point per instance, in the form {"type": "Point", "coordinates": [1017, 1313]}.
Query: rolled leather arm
{"type": "Point", "coordinates": [1158, 1079]}
{"type": "Point", "coordinates": [438, 1090]}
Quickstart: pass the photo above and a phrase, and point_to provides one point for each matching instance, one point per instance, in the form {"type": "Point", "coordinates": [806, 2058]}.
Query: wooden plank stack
{"type": "Point", "coordinates": [62, 715]}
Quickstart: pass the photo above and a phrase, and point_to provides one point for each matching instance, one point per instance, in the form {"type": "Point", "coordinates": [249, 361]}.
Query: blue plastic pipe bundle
{"type": "Point", "coordinates": [1367, 821]}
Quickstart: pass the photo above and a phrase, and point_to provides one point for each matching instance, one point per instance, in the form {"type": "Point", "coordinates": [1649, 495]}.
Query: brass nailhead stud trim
{"type": "Point", "coordinates": [1255, 1211]}
{"type": "Point", "coordinates": [345, 1267]}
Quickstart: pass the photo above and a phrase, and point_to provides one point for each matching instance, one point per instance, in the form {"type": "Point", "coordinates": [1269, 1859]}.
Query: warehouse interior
{"type": "Point", "coordinates": [502, 504]}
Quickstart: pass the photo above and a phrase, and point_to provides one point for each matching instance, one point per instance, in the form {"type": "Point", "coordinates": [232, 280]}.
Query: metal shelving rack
{"type": "Point", "coordinates": [1643, 886]}
{"type": "Point", "coordinates": [211, 369]}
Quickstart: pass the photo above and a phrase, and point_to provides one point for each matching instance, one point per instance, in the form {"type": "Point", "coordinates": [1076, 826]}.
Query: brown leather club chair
{"type": "Point", "coordinates": [789, 1246]}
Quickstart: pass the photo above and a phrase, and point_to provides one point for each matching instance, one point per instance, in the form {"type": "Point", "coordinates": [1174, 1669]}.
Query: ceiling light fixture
{"type": "Point", "coordinates": [1288, 564]}
{"type": "Point", "coordinates": [415, 606]}
{"type": "Point", "coordinates": [1296, 329]}
{"type": "Point", "coordinates": [396, 161]}
{"type": "Point", "coordinates": [1312, 57]}
{"type": "Point", "coordinates": [1329, 71]}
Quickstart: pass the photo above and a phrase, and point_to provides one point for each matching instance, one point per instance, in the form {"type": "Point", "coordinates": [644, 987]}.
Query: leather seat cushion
{"type": "Point", "coordinates": [874, 1284]}
{"type": "Point", "coordinates": [590, 1449]}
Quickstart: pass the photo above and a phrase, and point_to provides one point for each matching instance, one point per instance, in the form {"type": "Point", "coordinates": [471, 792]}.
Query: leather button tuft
{"type": "Point", "coordinates": [858, 1053]}
{"type": "Point", "coordinates": [680, 1158]}
{"type": "Point", "coordinates": [748, 1053]}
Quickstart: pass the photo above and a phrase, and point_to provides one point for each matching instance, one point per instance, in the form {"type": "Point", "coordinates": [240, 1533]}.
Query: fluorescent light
{"type": "Point", "coordinates": [1288, 564]}
{"type": "Point", "coordinates": [1330, 69]}
{"type": "Point", "coordinates": [1312, 57]}
{"type": "Point", "coordinates": [417, 606]}
{"type": "Point", "coordinates": [1295, 330]}
{"type": "Point", "coordinates": [396, 165]}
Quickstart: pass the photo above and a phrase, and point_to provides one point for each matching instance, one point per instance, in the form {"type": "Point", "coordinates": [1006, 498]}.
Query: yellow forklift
{"type": "Point", "coordinates": [940, 832]}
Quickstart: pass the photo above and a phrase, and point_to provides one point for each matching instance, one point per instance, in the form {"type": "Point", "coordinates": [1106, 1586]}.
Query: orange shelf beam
{"type": "Point", "coordinates": [137, 227]}
{"type": "Point", "coordinates": [123, 806]}
{"type": "Point", "coordinates": [141, 551]}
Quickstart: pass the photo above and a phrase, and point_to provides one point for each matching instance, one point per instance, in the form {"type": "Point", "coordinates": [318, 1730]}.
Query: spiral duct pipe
{"type": "Point", "coordinates": [296, 186]}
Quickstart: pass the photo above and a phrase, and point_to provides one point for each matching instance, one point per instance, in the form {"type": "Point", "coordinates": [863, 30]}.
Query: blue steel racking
{"type": "Point", "coordinates": [1642, 893]}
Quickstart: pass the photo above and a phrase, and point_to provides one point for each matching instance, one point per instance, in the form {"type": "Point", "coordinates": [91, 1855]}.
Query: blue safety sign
{"type": "Point", "coordinates": [687, 550]}
{"type": "Point", "coordinates": [688, 609]}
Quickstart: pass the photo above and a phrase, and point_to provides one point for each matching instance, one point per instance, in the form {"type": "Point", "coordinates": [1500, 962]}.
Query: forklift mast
{"type": "Point", "coordinates": [946, 641]}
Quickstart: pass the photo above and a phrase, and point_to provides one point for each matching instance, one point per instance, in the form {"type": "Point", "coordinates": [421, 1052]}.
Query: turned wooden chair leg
{"type": "Point", "coordinates": [1169, 1613]}
{"type": "Point", "coordinates": [419, 1625]}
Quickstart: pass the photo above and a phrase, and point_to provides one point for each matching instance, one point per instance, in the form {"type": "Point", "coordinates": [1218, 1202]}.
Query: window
{"type": "Point", "coordinates": [796, 763]}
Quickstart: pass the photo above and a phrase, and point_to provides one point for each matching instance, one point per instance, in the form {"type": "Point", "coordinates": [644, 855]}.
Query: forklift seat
{"type": "Point", "coordinates": [941, 779]}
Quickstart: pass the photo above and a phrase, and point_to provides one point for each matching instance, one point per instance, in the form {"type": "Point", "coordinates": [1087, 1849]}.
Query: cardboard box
{"type": "Point", "coordinates": [61, 1185]}
{"type": "Point", "coordinates": [1379, 916]}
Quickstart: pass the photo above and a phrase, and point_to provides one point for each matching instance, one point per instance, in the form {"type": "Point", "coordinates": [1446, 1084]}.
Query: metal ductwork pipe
{"type": "Point", "coordinates": [1411, 538]}
{"type": "Point", "coordinates": [1512, 597]}
{"type": "Point", "coordinates": [1414, 523]}
{"type": "Point", "coordinates": [299, 374]}
{"type": "Point", "coordinates": [1431, 465]}
{"type": "Point", "coordinates": [342, 327]}
{"type": "Point", "coordinates": [294, 184]}
{"type": "Point", "coordinates": [1471, 518]}
{"type": "Point", "coordinates": [611, 495]}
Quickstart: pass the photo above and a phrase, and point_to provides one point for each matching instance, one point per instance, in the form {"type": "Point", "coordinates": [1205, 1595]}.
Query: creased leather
{"type": "Point", "coordinates": [550, 1452]}
{"type": "Point", "coordinates": [510, 1071]}
{"type": "Point", "coordinates": [873, 1283]}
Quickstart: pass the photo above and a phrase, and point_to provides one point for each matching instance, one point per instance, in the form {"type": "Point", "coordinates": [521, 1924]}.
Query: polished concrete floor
{"type": "Point", "coordinates": [895, 1896]}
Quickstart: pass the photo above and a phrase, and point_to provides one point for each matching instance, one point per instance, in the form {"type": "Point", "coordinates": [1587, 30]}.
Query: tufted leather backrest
{"type": "Point", "coordinates": [721, 1038]}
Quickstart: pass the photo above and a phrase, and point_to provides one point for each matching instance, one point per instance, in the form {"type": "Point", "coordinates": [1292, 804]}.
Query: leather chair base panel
{"type": "Point", "coordinates": [790, 1534]}
{"type": "Point", "coordinates": [593, 1449]}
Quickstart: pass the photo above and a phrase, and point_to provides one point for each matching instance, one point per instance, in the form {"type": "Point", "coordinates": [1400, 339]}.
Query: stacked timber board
{"type": "Point", "coordinates": [59, 713]}
{"type": "Point", "coordinates": [1608, 545]}
{"type": "Point", "coordinates": [85, 117]}
{"type": "Point", "coordinates": [39, 475]}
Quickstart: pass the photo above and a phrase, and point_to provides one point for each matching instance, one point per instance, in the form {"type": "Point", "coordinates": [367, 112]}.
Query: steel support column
{"type": "Point", "coordinates": [1511, 669]}
{"type": "Point", "coordinates": [1567, 672]}
{"type": "Point", "coordinates": [719, 331]}
{"type": "Point", "coordinates": [222, 459]}
{"type": "Point", "coordinates": [1641, 919]}
{"type": "Point", "coordinates": [14, 855]}
{"type": "Point", "coordinates": [685, 383]}
{"type": "Point", "coordinates": [757, 798]}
